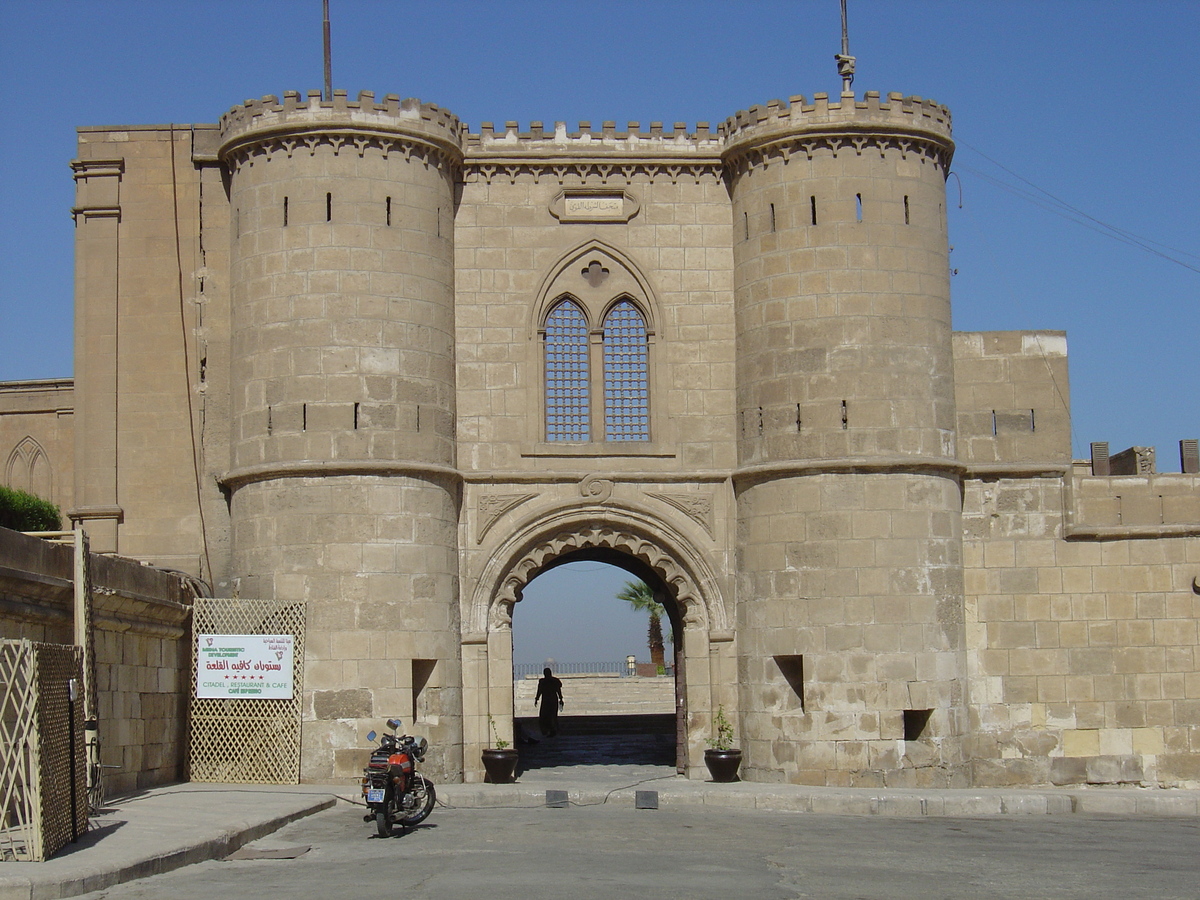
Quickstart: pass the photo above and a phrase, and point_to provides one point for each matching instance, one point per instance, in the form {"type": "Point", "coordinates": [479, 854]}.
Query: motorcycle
{"type": "Point", "coordinates": [393, 790]}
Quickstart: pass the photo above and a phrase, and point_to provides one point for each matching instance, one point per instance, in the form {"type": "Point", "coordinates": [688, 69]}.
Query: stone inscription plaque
{"type": "Point", "coordinates": [594, 206]}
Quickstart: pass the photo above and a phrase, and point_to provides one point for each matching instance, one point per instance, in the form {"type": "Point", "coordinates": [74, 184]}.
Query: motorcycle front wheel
{"type": "Point", "coordinates": [383, 821]}
{"type": "Point", "coordinates": [426, 797]}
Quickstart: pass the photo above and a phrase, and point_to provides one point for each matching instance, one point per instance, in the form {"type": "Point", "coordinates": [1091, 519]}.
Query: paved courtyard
{"type": "Point", "coordinates": [605, 851]}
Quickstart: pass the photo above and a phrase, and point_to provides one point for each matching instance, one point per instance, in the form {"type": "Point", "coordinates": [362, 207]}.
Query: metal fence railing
{"type": "Point", "coordinates": [520, 670]}
{"type": "Point", "coordinates": [621, 667]}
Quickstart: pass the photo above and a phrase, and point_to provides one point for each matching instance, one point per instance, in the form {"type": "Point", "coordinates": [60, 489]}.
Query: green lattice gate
{"type": "Point", "coordinates": [238, 740]}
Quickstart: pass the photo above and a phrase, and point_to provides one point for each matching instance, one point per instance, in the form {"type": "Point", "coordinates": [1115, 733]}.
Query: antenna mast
{"type": "Point", "coordinates": [329, 67]}
{"type": "Point", "coordinates": [845, 62]}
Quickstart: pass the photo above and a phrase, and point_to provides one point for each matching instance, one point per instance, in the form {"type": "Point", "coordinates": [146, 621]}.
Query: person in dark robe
{"type": "Point", "coordinates": [550, 700]}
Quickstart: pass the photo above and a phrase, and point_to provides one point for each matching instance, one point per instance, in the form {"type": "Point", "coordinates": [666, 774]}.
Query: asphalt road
{"type": "Point", "coordinates": [608, 852]}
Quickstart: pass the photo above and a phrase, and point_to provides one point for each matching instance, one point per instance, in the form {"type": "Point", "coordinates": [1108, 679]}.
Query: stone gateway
{"type": "Point", "coordinates": [352, 353]}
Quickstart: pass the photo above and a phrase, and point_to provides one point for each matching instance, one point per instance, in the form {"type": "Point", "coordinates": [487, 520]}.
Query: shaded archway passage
{"type": "Point", "coordinates": [610, 718]}
{"type": "Point", "coordinates": [708, 675]}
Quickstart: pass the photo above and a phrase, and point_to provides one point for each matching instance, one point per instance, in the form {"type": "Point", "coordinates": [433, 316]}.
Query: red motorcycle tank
{"type": "Point", "coordinates": [401, 760]}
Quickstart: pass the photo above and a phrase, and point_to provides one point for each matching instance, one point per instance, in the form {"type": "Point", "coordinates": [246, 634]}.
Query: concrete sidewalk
{"type": "Point", "coordinates": [168, 827]}
{"type": "Point", "coordinates": [161, 829]}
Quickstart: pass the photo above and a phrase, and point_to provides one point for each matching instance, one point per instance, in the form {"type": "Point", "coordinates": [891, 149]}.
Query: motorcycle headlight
{"type": "Point", "coordinates": [420, 745]}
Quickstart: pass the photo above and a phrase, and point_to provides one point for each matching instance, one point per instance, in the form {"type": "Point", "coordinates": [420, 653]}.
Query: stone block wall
{"type": "Point", "coordinates": [142, 650]}
{"type": "Point", "coordinates": [1122, 505]}
{"type": "Point", "coordinates": [1083, 652]}
{"type": "Point", "coordinates": [138, 254]}
{"type": "Point", "coordinates": [514, 258]}
{"type": "Point", "coordinates": [369, 557]}
{"type": "Point", "coordinates": [1011, 392]}
{"type": "Point", "coordinates": [849, 624]}
{"type": "Point", "coordinates": [37, 439]}
{"type": "Point", "coordinates": [603, 695]}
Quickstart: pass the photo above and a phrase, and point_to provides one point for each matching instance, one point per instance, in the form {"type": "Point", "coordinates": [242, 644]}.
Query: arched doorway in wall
{"type": "Point", "coordinates": [640, 542]}
{"type": "Point", "coordinates": [621, 695]}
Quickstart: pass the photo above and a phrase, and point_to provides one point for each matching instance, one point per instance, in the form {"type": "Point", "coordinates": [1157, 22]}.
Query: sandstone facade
{"type": "Point", "coordinates": [37, 438]}
{"type": "Point", "coordinates": [350, 352]}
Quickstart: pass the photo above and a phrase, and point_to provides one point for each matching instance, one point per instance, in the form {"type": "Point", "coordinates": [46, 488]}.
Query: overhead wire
{"type": "Point", "coordinates": [1003, 274]}
{"type": "Point", "coordinates": [1051, 203]}
{"type": "Point", "coordinates": [187, 364]}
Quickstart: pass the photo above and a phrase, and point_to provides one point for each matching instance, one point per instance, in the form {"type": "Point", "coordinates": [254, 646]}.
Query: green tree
{"type": "Point", "coordinates": [22, 511]}
{"type": "Point", "coordinates": [641, 598]}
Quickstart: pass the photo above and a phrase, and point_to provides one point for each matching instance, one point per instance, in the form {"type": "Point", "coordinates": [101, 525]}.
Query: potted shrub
{"type": "Point", "coordinates": [722, 758]}
{"type": "Point", "coordinates": [500, 761]}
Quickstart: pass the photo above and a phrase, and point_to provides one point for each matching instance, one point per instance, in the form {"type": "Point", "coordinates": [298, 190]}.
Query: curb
{"type": "Point", "coordinates": [50, 887]}
{"type": "Point", "coordinates": [848, 801]}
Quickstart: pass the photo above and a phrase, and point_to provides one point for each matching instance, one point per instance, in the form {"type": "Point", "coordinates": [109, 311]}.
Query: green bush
{"type": "Point", "coordinates": [21, 511]}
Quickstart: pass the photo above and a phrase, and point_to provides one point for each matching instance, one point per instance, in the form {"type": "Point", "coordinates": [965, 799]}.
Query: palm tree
{"type": "Point", "coordinates": [641, 598]}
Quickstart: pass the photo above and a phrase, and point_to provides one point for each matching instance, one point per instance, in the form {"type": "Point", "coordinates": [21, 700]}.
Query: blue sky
{"type": "Point", "coordinates": [1091, 102]}
{"type": "Point", "coordinates": [571, 614]}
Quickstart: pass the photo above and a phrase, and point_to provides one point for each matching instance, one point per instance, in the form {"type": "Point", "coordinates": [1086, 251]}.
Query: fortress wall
{"type": "Point", "coordinates": [849, 614]}
{"type": "Point", "coordinates": [843, 325]}
{"type": "Point", "coordinates": [37, 439]}
{"type": "Point", "coordinates": [1084, 660]}
{"type": "Point", "coordinates": [363, 288]}
{"type": "Point", "coordinates": [849, 579]}
{"type": "Point", "coordinates": [373, 557]}
{"type": "Point", "coordinates": [1012, 395]}
{"type": "Point", "coordinates": [343, 489]}
{"type": "Point", "coordinates": [514, 257]}
{"type": "Point", "coordinates": [214, 338]}
{"type": "Point", "coordinates": [136, 191]}
{"type": "Point", "coordinates": [143, 657]}
{"type": "Point", "coordinates": [1119, 505]}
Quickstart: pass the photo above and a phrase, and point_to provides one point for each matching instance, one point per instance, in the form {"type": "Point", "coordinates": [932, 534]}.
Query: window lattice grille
{"type": "Point", "coordinates": [626, 375]}
{"type": "Point", "coordinates": [567, 416]}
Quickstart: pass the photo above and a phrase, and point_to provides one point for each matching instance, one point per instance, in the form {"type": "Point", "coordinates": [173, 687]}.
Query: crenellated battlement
{"type": "Point", "coordinates": [897, 110]}
{"type": "Point", "coordinates": [897, 117]}
{"type": "Point", "coordinates": [589, 140]}
{"type": "Point", "coordinates": [1139, 505]}
{"type": "Point", "coordinates": [269, 117]}
{"type": "Point", "coordinates": [904, 121]}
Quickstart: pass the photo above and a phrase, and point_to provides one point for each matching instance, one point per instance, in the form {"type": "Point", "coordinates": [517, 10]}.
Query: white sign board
{"type": "Point", "coordinates": [258, 666]}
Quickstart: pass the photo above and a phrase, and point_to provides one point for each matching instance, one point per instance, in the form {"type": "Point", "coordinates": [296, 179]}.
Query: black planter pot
{"type": "Point", "coordinates": [500, 765]}
{"type": "Point", "coordinates": [723, 764]}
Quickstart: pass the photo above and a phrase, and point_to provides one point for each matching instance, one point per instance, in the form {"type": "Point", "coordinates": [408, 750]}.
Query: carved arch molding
{"type": "Point", "coordinates": [666, 555]}
{"type": "Point", "coordinates": [28, 468]}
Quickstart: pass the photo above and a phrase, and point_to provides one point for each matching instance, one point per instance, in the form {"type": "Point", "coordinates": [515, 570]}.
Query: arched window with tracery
{"type": "Point", "coordinates": [626, 375]}
{"type": "Point", "coordinates": [567, 374]}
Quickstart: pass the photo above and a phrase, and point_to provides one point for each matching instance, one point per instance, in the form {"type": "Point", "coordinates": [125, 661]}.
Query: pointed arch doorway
{"type": "Point", "coordinates": [570, 617]}
{"type": "Point", "coordinates": [647, 547]}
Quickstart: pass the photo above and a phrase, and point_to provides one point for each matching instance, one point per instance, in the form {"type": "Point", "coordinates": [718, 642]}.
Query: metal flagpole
{"type": "Point", "coordinates": [328, 64]}
{"type": "Point", "coordinates": [845, 62]}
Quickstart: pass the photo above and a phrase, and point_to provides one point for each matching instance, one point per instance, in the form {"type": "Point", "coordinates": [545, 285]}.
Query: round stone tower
{"type": "Point", "coordinates": [849, 538]}
{"type": "Point", "coordinates": [343, 491]}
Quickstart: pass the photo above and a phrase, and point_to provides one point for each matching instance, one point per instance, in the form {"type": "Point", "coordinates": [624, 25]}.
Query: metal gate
{"type": "Point", "coordinates": [43, 774]}
{"type": "Point", "coordinates": [247, 740]}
